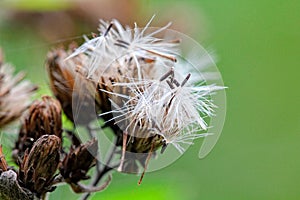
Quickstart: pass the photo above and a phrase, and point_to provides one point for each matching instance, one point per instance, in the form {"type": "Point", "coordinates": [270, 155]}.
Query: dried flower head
{"type": "Point", "coordinates": [43, 118]}
{"type": "Point", "coordinates": [40, 164]}
{"type": "Point", "coordinates": [76, 165]}
{"type": "Point", "coordinates": [75, 92]}
{"type": "Point", "coordinates": [174, 110]}
{"type": "Point", "coordinates": [78, 161]}
{"type": "Point", "coordinates": [152, 102]}
{"type": "Point", "coordinates": [138, 80]}
{"type": "Point", "coordinates": [14, 93]}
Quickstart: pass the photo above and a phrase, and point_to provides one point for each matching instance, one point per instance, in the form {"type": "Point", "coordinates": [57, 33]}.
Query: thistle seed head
{"type": "Point", "coordinates": [146, 94]}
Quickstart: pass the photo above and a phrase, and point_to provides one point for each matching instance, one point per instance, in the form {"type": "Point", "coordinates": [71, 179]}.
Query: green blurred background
{"type": "Point", "coordinates": [258, 45]}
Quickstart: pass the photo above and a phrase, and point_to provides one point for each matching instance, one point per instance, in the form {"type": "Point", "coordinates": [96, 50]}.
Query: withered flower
{"type": "Point", "coordinates": [37, 170]}
{"type": "Point", "coordinates": [76, 165]}
{"type": "Point", "coordinates": [43, 118]}
{"type": "Point", "coordinates": [136, 80]}
{"type": "Point", "coordinates": [75, 92]}
{"type": "Point", "coordinates": [78, 161]}
{"type": "Point", "coordinates": [15, 93]}
{"type": "Point", "coordinates": [151, 100]}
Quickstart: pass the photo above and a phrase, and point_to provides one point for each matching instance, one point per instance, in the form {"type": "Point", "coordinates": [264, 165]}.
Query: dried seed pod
{"type": "Point", "coordinates": [37, 170]}
{"type": "Point", "coordinates": [43, 118]}
{"type": "Point", "coordinates": [75, 93]}
{"type": "Point", "coordinates": [14, 93]}
{"type": "Point", "coordinates": [78, 161]}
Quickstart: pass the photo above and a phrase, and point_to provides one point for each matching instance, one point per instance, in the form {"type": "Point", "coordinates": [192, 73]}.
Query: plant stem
{"type": "Point", "coordinates": [105, 169]}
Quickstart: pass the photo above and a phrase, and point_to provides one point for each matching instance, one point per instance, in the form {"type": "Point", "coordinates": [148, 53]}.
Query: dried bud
{"type": "Point", "coordinates": [75, 92]}
{"type": "Point", "coordinates": [43, 118]}
{"type": "Point", "coordinates": [78, 162]}
{"type": "Point", "coordinates": [39, 166]}
{"type": "Point", "coordinates": [14, 93]}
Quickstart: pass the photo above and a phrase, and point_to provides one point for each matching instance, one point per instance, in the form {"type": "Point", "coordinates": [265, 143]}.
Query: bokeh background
{"type": "Point", "coordinates": [258, 45]}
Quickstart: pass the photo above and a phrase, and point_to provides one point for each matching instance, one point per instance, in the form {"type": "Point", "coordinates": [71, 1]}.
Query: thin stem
{"type": "Point", "coordinates": [146, 164]}
{"type": "Point", "coordinates": [120, 168]}
{"type": "Point", "coordinates": [91, 131]}
{"type": "Point", "coordinates": [92, 134]}
{"type": "Point", "coordinates": [73, 137]}
{"type": "Point", "coordinates": [105, 169]}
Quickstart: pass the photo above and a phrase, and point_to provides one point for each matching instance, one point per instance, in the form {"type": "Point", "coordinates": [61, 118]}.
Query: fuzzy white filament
{"type": "Point", "coordinates": [147, 96]}
{"type": "Point", "coordinates": [177, 113]}
{"type": "Point", "coordinates": [118, 44]}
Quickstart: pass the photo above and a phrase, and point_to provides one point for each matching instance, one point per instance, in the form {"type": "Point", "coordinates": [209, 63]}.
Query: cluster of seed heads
{"type": "Point", "coordinates": [129, 77]}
